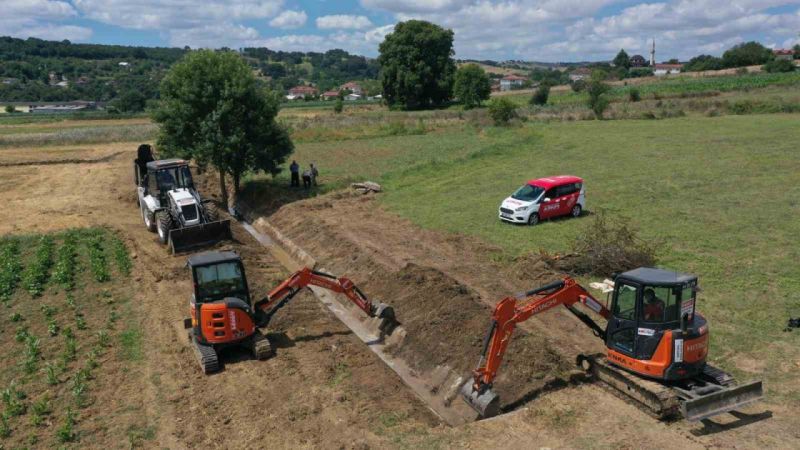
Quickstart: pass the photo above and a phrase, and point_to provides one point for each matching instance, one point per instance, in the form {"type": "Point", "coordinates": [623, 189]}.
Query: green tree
{"type": "Point", "coordinates": [472, 86]}
{"type": "Point", "coordinates": [796, 49]}
{"type": "Point", "coordinates": [10, 109]}
{"type": "Point", "coordinates": [747, 54]}
{"type": "Point", "coordinates": [597, 89]}
{"type": "Point", "coordinates": [214, 111]}
{"type": "Point", "coordinates": [502, 110]}
{"type": "Point", "coordinates": [622, 60]}
{"type": "Point", "coordinates": [541, 95]}
{"type": "Point", "coordinates": [779, 65]}
{"type": "Point", "coordinates": [417, 67]}
{"type": "Point", "coordinates": [703, 62]}
{"type": "Point", "coordinates": [338, 107]}
{"type": "Point", "coordinates": [130, 101]}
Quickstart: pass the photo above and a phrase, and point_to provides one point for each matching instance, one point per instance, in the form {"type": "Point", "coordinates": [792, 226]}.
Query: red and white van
{"type": "Point", "coordinates": [545, 198]}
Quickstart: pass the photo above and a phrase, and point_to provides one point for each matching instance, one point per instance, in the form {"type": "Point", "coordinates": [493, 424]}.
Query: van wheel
{"type": "Point", "coordinates": [576, 210]}
{"type": "Point", "coordinates": [533, 219]}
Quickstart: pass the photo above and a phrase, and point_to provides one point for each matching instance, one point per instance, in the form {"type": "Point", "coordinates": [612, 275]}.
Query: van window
{"type": "Point", "coordinates": [566, 189]}
{"type": "Point", "coordinates": [552, 193]}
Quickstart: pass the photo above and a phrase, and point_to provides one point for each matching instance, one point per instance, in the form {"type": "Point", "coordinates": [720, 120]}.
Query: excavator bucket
{"type": "Point", "coordinates": [721, 401]}
{"type": "Point", "coordinates": [486, 404]}
{"type": "Point", "coordinates": [186, 238]}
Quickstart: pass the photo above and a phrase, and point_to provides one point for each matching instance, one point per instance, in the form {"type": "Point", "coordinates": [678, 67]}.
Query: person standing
{"type": "Point", "coordinates": [307, 178]}
{"type": "Point", "coordinates": [294, 168]}
{"type": "Point", "coordinates": [314, 174]}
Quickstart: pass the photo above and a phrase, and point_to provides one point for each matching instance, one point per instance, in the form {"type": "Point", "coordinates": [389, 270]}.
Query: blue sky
{"type": "Point", "coordinates": [543, 30]}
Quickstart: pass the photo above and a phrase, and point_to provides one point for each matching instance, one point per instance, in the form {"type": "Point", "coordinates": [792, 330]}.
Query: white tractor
{"type": "Point", "coordinates": [171, 206]}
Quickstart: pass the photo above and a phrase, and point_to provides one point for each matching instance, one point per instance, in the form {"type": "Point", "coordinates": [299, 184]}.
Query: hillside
{"type": "Point", "coordinates": [37, 70]}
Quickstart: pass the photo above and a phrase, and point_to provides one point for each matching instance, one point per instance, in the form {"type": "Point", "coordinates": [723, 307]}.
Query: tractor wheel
{"type": "Point", "coordinates": [576, 210]}
{"type": "Point", "coordinates": [212, 213]}
{"type": "Point", "coordinates": [533, 219]}
{"type": "Point", "coordinates": [149, 220]}
{"type": "Point", "coordinates": [165, 224]}
{"type": "Point", "coordinates": [262, 348]}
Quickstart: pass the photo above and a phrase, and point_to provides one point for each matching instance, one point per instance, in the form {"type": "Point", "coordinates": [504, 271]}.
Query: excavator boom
{"type": "Point", "coordinates": [507, 314]}
{"type": "Point", "coordinates": [305, 277]}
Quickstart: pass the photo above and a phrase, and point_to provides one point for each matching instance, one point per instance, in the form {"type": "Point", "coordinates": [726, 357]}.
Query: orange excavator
{"type": "Point", "coordinates": [656, 345]}
{"type": "Point", "coordinates": [223, 314]}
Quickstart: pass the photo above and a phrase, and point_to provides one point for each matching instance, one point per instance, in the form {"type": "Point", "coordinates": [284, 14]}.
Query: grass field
{"type": "Point", "coordinates": [679, 86]}
{"type": "Point", "coordinates": [721, 192]}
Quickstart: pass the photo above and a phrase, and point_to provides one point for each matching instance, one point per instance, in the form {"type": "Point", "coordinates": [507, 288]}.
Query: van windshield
{"type": "Point", "coordinates": [527, 193]}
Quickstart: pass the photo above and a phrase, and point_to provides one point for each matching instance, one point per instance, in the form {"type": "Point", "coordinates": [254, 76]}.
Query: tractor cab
{"type": "Point", "coordinates": [217, 276]}
{"type": "Point", "coordinates": [654, 329]}
{"type": "Point", "coordinates": [167, 175]}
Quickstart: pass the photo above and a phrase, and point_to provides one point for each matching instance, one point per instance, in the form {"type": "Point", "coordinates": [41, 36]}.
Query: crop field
{"type": "Point", "coordinates": [66, 331]}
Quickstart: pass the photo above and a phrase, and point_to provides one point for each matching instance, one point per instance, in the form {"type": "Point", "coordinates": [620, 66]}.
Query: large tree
{"type": "Point", "coordinates": [747, 54]}
{"type": "Point", "coordinates": [213, 110]}
{"type": "Point", "coordinates": [622, 60]}
{"type": "Point", "coordinates": [472, 86]}
{"type": "Point", "coordinates": [417, 67]}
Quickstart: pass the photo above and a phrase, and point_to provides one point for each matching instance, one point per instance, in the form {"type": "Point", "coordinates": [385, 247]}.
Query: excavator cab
{"type": "Point", "coordinates": [654, 330]}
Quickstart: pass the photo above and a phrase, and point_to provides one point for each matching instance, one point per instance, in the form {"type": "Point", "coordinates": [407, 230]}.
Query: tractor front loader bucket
{"type": "Point", "coordinates": [728, 398]}
{"type": "Point", "coordinates": [186, 238]}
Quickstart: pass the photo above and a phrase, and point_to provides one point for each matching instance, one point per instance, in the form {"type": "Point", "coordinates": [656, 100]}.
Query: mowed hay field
{"type": "Point", "coordinates": [720, 192]}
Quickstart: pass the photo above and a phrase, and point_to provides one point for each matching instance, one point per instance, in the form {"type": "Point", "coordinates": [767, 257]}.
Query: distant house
{"type": "Point", "coordinates": [124, 64]}
{"type": "Point", "coordinates": [581, 73]}
{"type": "Point", "coordinates": [351, 97]}
{"type": "Point", "coordinates": [330, 95]}
{"type": "Point", "coordinates": [63, 84]}
{"type": "Point", "coordinates": [353, 87]}
{"type": "Point", "coordinates": [667, 69]}
{"type": "Point", "coordinates": [510, 82]}
{"type": "Point", "coordinates": [82, 80]}
{"type": "Point", "coordinates": [9, 80]}
{"type": "Point", "coordinates": [782, 53]}
{"type": "Point", "coordinates": [302, 92]}
{"type": "Point", "coordinates": [638, 61]}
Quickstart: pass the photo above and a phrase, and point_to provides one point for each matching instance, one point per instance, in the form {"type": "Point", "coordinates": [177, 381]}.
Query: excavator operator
{"type": "Point", "coordinates": [654, 306]}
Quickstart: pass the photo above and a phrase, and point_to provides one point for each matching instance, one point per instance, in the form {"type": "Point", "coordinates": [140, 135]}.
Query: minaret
{"type": "Point", "coordinates": [653, 53]}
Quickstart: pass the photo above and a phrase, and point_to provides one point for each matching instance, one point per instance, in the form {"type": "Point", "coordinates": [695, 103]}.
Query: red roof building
{"type": "Point", "coordinates": [303, 91]}
{"type": "Point", "coordinates": [328, 95]}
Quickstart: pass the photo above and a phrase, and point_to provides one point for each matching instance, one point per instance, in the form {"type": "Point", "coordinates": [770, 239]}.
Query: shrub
{"type": "Point", "coordinates": [502, 111]}
{"type": "Point", "coordinates": [578, 85]}
{"type": "Point", "coordinates": [338, 107]}
{"type": "Point", "coordinates": [5, 430]}
{"type": "Point", "coordinates": [597, 100]}
{"type": "Point", "coordinates": [64, 272]}
{"type": "Point", "coordinates": [541, 95]}
{"type": "Point", "coordinates": [779, 65]}
{"type": "Point", "coordinates": [12, 400]}
{"type": "Point", "coordinates": [634, 95]}
{"type": "Point", "coordinates": [51, 374]}
{"type": "Point", "coordinates": [607, 246]}
{"type": "Point", "coordinates": [121, 257]}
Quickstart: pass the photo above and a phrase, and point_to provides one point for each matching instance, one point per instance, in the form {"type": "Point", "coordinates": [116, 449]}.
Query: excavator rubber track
{"type": "Point", "coordinates": [659, 400]}
{"type": "Point", "coordinates": [711, 393]}
{"type": "Point", "coordinates": [205, 354]}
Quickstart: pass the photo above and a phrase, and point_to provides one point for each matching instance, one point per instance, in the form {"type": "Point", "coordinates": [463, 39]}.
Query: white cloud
{"type": "Point", "coordinates": [343, 21]}
{"type": "Point", "coordinates": [38, 18]}
{"type": "Point", "coordinates": [289, 19]}
{"type": "Point", "coordinates": [171, 14]}
{"type": "Point", "coordinates": [217, 35]}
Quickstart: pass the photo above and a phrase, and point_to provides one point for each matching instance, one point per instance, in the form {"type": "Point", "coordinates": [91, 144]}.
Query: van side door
{"type": "Point", "coordinates": [550, 206]}
{"type": "Point", "coordinates": [568, 196]}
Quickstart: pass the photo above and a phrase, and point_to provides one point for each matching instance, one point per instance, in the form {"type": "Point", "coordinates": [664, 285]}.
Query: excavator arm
{"type": "Point", "coordinates": [507, 314]}
{"type": "Point", "coordinates": [284, 292]}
